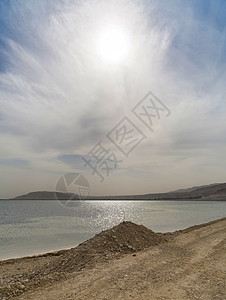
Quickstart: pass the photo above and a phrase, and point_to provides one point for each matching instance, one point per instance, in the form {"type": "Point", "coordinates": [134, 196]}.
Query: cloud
{"type": "Point", "coordinates": [53, 90]}
{"type": "Point", "coordinates": [74, 160]}
{"type": "Point", "coordinates": [57, 97]}
{"type": "Point", "coordinates": [14, 162]}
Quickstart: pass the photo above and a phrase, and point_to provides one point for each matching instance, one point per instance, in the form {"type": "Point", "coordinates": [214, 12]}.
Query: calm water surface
{"type": "Point", "coordinates": [31, 227]}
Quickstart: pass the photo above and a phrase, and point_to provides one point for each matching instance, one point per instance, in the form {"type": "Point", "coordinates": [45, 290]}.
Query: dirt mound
{"type": "Point", "coordinates": [126, 237]}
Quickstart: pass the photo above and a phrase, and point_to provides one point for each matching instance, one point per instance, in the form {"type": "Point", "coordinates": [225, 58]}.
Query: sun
{"type": "Point", "coordinates": [113, 45]}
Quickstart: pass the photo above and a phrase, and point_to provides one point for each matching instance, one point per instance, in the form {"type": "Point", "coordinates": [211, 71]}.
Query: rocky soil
{"type": "Point", "coordinates": [128, 261]}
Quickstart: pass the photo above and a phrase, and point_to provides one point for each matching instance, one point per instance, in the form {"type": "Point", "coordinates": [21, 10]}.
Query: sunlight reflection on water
{"type": "Point", "coordinates": [30, 227]}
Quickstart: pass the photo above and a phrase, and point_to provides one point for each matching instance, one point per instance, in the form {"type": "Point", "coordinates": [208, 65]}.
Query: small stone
{"type": "Point", "coordinates": [131, 248]}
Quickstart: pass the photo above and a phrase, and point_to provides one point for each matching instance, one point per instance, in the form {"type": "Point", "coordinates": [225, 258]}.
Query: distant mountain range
{"type": "Point", "coordinates": [44, 195]}
{"type": "Point", "coordinates": [211, 192]}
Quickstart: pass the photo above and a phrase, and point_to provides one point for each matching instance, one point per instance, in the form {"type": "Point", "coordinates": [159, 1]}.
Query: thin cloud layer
{"type": "Point", "coordinates": [57, 98]}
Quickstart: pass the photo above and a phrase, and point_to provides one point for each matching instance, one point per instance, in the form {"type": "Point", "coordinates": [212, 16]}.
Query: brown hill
{"type": "Point", "coordinates": [45, 195]}
{"type": "Point", "coordinates": [209, 190]}
{"type": "Point", "coordinates": [194, 193]}
{"type": "Point", "coordinates": [221, 191]}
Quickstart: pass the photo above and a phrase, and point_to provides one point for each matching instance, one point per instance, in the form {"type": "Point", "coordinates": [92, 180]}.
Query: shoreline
{"type": "Point", "coordinates": [39, 254]}
{"type": "Point", "coordinates": [128, 260]}
{"type": "Point", "coordinates": [162, 219]}
{"type": "Point", "coordinates": [56, 252]}
{"type": "Point", "coordinates": [60, 251]}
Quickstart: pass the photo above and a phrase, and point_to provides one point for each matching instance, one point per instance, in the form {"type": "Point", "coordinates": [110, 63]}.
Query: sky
{"type": "Point", "coordinates": [62, 95]}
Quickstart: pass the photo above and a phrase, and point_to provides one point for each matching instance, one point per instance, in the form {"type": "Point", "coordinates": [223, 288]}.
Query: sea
{"type": "Point", "coordinates": [29, 227]}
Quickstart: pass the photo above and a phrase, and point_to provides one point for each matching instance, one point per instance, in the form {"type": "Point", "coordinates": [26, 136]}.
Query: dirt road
{"type": "Point", "coordinates": [192, 265]}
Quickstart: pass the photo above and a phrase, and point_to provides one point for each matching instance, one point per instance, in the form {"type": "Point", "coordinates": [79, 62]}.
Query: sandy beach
{"type": "Point", "coordinates": [128, 261]}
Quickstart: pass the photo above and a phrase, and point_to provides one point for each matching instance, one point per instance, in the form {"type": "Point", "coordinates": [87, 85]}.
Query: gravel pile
{"type": "Point", "coordinates": [124, 238]}
{"type": "Point", "coordinates": [25, 274]}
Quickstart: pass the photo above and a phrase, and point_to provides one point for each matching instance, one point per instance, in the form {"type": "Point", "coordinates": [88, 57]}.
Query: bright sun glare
{"type": "Point", "coordinates": [112, 45]}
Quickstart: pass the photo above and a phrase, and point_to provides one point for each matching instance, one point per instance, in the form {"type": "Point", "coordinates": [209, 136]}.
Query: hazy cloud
{"type": "Point", "coordinates": [57, 98]}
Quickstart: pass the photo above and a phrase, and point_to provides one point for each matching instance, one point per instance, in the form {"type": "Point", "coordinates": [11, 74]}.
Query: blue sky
{"type": "Point", "coordinates": [57, 99]}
